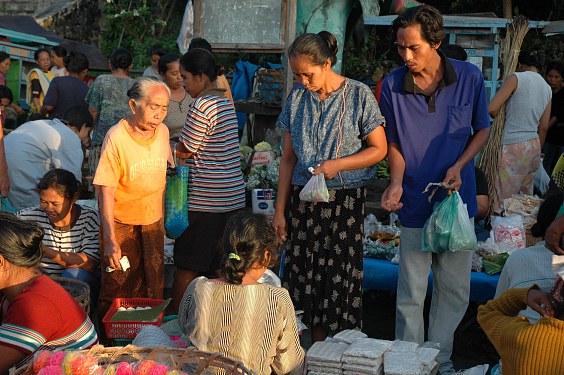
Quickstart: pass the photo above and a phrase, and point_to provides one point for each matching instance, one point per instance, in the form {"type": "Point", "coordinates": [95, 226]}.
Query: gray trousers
{"type": "Point", "coordinates": [451, 291]}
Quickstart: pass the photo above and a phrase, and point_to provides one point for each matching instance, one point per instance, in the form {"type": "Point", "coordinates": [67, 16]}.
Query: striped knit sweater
{"type": "Point", "coordinates": [525, 348]}
{"type": "Point", "coordinates": [255, 324]}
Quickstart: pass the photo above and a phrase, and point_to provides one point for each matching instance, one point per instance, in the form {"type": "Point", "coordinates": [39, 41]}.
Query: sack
{"type": "Point", "coordinates": [6, 206]}
{"type": "Point", "coordinates": [176, 201]}
{"type": "Point", "coordinates": [315, 190]}
{"type": "Point", "coordinates": [449, 228]}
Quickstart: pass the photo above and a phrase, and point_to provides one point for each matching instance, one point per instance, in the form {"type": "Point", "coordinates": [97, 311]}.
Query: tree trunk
{"type": "Point", "coordinates": [507, 9]}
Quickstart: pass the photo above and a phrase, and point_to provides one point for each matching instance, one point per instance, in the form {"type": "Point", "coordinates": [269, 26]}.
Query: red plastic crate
{"type": "Point", "coordinates": [129, 329]}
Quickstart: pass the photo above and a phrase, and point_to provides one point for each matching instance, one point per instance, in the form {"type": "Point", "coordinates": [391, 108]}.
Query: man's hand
{"type": "Point", "coordinates": [452, 178]}
{"type": "Point", "coordinates": [390, 200]}
{"type": "Point", "coordinates": [553, 236]}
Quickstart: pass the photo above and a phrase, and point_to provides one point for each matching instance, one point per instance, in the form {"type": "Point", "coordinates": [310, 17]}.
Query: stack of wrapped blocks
{"type": "Point", "coordinates": [352, 352]}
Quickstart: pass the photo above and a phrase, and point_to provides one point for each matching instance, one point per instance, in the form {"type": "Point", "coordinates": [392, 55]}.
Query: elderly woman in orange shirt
{"type": "Point", "coordinates": [130, 182]}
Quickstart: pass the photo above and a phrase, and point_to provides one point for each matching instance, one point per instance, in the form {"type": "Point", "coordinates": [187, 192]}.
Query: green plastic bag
{"type": "Point", "coordinates": [176, 201]}
{"type": "Point", "coordinates": [449, 228]}
{"type": "Point", "coordinates": [6, 206]}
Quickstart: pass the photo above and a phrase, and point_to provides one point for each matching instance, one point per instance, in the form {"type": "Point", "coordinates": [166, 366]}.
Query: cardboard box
{"type": "Point", "coordinates": [263, 202]}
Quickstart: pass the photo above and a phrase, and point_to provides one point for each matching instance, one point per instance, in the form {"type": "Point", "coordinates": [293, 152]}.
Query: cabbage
{"type": "Point", "coordinates": [245, 149]}
{"type": "Point", "coordinates": [263, 146]}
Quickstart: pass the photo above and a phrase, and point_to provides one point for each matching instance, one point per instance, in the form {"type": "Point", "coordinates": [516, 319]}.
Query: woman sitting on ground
{"type": "Point", "coordinates": [71, 245]}
{"type": "Point", "coordinates": [236, 315]}
{"type": "Point", "coordinates": [36, 311]}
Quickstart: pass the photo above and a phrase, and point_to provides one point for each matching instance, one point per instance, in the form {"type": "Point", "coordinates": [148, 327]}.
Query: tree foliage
{"type": "Point", "coordinates": [138, 24]}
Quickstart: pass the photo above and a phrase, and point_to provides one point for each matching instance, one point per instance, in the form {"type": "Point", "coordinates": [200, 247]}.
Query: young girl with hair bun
{"type": "Point", "coordinates": [235, 314]}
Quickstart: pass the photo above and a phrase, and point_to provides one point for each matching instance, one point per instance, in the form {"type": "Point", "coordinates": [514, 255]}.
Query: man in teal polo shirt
{"type": "Point", "coordinates": [436, 122]}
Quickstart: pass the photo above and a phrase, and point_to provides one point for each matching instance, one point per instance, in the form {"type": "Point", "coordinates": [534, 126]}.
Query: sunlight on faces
{"type": "Point", "coordinates": [56, 206]}
{"type": "Point", "coordinates": [554, 79]}
{"type": "Point", "coordinates": [149, 113]}
{"type": "Point", "coordinates": [5, 66]}
{"type": "Point", "coordinates": [414, 49]}
{"type": "Point", "coordinates": [172, 76]}
{"type": "Point", "coordinates": [193, 84]}
{"type": "Point", "coordinates": [311, 76]}
{"type": "Point", "coordinates": [44, 60]}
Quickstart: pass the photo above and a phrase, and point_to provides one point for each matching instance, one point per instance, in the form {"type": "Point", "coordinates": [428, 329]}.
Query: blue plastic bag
{"type": "Point", "coordinates": [449, 228]}
{"type": "Point", "coordinates": [176, 201]}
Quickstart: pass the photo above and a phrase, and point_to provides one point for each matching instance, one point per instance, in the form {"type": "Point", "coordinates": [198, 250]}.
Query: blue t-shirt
{"type": "Point", "coordinates": [314, 127]}
{"type": "Point", "coordinates": [432, 139]}
{"type": "Point", "coordinates": [65, 93]}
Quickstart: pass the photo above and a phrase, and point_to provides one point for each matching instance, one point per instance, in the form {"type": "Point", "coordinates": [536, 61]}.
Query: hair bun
{"type": "Point", "coordinates": [331, 41]}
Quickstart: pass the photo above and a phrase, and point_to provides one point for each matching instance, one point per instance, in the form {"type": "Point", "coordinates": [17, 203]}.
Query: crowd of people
{"type": "Point", "coordinates": [432, 118]}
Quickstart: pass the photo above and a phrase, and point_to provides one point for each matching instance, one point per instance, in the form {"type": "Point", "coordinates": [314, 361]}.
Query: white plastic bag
{"type": "Point", "coordinates": [509, 229]}
{"type": "Point", "coordinates": [316, 189]}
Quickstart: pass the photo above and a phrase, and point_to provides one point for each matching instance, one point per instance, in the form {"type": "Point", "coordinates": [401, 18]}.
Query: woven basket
{"type": "Point", "coordinates": [190, 360]}
{"type": "Point", "coordinates": [79, 290]}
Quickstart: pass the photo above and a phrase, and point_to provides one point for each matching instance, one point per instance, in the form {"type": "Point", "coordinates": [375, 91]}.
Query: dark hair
{"type": "Point", "coordinates": [201, 61]}
{"type": "Point", "coordinates": [76, 62]}
{"type": "Point", "coordinates": [3, 56]}
{"type": "Point", "coordinates": [199, 43]}
{"type": "Point", "coordinates": [5, 92]}
{"type": "Point", "coordinates": [317, 47]}
{"type": "Point", "coordinates": [120, 59]}
{"type": "Point", "coordinates": [248, 236]}
{"type": "Point", "coordinates": [156, 49]}
{"type": "Point", "coordinates": [454, 51]}
{"type": "Point", "coordinates": [553, 65]}
{"type": "Point", "coordinates": [60, 180]}
{"type": "Point", "coordinates": [38, 52]}
{"type": "Point", "coordinates": [547, 213]}
{"type": "Point", "coordinates": [60, 51]}
{"type": "Point", "coordinates": [20, 240]}
{"type": "Point", "coordinates": [429, 18]}
{"type": "Point", "coordinates": [530, 58]}
{"type": "Point", "coordinates": [141, 86]}
{"type": "Point", "coordinates": [78, 116]}
{"type": "Point", "coordinates": [167, 59]}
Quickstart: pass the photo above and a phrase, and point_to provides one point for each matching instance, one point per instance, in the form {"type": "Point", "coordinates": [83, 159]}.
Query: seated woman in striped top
{"type": "Point", "coordinates": [236, 315]}
{"type": "Point", "coordinates": [71, 243]}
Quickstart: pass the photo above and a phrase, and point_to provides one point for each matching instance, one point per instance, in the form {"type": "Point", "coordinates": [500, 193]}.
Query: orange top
{"type": "Point", "coordinates": [137, 169]}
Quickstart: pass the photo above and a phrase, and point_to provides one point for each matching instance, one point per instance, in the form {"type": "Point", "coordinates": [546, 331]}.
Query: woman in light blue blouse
{"type": "Point", "coordinates": [330, 123]}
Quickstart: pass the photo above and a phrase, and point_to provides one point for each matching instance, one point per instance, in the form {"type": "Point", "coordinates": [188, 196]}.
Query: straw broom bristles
{"type": "Point", "coordinates": [490, 159]}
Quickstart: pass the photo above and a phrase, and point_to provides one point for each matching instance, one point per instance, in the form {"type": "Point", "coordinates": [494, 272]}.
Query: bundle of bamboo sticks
{"type": "Point", "coordinates": [491, 154]}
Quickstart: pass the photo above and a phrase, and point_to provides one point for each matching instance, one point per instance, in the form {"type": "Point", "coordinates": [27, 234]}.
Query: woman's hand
{"type": "Point", "coordinates": [390, 200]}
{"type": "Point", "coordinates": [112, 252]}
{"type": "Point", "coordinates": [329, 168]}
{"type": "Point", "coordinates": [541, 302]}
{"type": "Point", "coordinates": [279, 225]}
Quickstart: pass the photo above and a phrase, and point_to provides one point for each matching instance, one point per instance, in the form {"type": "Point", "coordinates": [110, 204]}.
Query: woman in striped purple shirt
{"type": "Point", "coordinates": [209, 142]}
